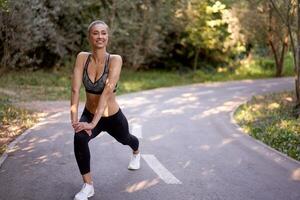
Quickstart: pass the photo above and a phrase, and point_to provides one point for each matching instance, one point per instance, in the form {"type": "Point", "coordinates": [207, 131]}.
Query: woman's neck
{"type": "Point", "coordinates": [99, 55]}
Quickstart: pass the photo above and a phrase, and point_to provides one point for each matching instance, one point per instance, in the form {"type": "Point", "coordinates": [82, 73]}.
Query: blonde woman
{"type": "Point", "coordinates": [99, 72]}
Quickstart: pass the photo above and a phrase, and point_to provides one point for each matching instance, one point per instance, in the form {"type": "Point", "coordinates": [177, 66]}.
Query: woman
{"type": "Point", "coordinates": [99, 72]}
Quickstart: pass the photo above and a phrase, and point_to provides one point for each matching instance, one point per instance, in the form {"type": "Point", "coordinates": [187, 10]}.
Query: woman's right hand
{"type": "Point", "coordinates": [79, 126]}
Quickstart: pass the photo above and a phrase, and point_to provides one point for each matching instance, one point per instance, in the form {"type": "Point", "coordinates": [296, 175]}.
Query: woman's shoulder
{"type": "Point", "coordinates": [81, 57]}
{"type": "Point", "coordinates": [115, 58]}
{"type": "Point", "coordinates": [83, 54]}
{"type": "Point", "coordinates": [115, 62]}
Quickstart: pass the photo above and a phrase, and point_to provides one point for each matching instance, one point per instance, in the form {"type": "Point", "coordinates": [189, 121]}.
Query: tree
{"type": "Point", "coordinates": [33, 35]}
{"type": "Point", "coordinates": [206, 29]}
{"type": "Point", "coordinates": [274, 34]}
{"type": "Point", "coordinates": [43, 33]}
{"type": "Point", "coordinates": [262, 27]}
{"type": "Point", "coordinates": [293, 12]}
{"type": "Point", "coordinates": [297, 81]}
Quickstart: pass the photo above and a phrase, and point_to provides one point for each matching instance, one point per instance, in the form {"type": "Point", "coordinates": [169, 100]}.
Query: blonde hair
{"type": "Point", "coordinates": [95, 23]}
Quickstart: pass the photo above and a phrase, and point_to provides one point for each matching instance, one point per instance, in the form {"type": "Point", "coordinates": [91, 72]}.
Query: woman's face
{"type": "Point", "coordinates": [98, 36]}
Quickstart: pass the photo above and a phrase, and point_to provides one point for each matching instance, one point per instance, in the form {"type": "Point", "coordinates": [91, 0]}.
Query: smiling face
{"type": "Point", "coordinates": [98, 36]}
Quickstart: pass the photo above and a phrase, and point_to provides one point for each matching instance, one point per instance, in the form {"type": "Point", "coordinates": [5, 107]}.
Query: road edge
{"type": "Point", "coordinates": [241, 131]}
{"type": "Point", "coordinates": [11, 146]}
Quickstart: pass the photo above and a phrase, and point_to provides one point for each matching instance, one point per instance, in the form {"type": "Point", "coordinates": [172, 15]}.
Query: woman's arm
{"type": "Point", "coordinates": [112, 80]}
{"type": "Point", "coordinates": [76, 83]}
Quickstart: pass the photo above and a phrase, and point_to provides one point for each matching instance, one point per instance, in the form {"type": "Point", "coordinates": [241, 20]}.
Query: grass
{"type": "Point", "coordinates": [42, 85]}
{"type": "Point", "coordinates": [270, 119]}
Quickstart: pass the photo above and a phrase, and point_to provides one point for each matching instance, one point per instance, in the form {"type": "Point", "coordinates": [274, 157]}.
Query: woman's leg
{"type": "Point", "coordinates": [117, 127]}
{"type": "Point", "coordinates": [87, 178]}
{"type": "Point", "coordinates": [81, 147]}
{"type": "Point", "coordinates": [82, 154]}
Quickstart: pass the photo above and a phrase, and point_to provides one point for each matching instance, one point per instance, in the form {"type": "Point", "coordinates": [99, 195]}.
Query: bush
{"type": "Point", "coordinates": [266, 63]}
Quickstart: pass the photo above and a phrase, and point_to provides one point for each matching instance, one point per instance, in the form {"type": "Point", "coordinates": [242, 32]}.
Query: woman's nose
{"type": "Point", "coordinates": [100, 35]}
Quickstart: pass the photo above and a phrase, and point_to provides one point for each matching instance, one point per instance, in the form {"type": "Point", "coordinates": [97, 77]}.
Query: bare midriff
{"type": "Point", "coordinates": [92, 101]}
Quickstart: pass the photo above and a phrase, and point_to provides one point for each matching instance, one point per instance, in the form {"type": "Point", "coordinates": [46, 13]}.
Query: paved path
{"type": "Point", "coordinates": [191, 151]}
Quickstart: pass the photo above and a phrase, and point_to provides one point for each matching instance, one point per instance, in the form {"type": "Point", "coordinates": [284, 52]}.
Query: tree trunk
{"type": "Point", "coordinates": [294, 50]}
{"type": "Point", "coordinates": [298, 53]}
{"type": "Point", "coordinates": [278, 60]}
{"type": "Point", "coordinates": [297, 89]}
{"type": "Point", "coordinates": [197, 50]}
{"type": "Point", "coordinates": [279, 67]}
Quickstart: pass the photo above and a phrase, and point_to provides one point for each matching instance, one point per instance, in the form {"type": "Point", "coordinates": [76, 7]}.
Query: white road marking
{"type": "Point", "coordinates": [236, 88]}
{"type": "Point", "coordinates": [137, 130]}
{"type": "Point", "coordinates": [160, 170]}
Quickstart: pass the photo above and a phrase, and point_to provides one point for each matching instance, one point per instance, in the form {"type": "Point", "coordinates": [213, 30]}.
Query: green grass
{"type": "Point", "coordinates": [270, 119]}
{"type": "Point", "coordinates": [288, 70]}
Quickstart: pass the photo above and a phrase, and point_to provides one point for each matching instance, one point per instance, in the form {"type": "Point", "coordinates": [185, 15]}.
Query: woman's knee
{"type": "Point", "coordinates": [130, 140]}
{"type": "Point", "coordinates": [81, 137]}
{"type": "Point", "coordinates": [123, 140]}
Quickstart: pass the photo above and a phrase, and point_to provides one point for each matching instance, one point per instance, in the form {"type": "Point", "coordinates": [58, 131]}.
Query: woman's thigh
{"type": "Point", "coordinates": [117, 126]}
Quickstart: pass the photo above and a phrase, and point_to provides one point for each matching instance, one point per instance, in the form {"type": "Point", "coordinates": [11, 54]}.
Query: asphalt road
{"type": "Point", "coordinates": [191, 150]}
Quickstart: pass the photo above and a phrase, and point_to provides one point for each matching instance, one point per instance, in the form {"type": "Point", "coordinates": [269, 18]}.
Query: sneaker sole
{"type": "Point", "coordinates": [130, 168]}
{"type": "Point", "coordinates": [91, 195]}
{"type": "Point", "coordinates": [88, 196]}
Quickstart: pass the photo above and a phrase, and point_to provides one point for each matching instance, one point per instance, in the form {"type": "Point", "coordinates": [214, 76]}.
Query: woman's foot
{"type": "Point", "coordinates": [86, 191]}
{"type": "Point", "coordinates": [134, 163]}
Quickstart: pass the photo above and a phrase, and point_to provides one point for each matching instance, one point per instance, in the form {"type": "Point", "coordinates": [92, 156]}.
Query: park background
{"type": "Point", "coordinates": [162, 43]}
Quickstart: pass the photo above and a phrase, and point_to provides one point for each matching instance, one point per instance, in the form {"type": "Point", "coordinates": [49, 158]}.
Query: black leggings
{"type": "Point", "coordinates": [116, 125]}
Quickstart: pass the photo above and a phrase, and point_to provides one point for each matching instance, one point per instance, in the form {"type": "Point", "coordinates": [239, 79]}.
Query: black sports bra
{"type": "Point", "coordinates": [96, 87]}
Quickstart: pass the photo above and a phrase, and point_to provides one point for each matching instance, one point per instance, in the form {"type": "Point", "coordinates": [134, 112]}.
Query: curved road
{"type": "Point", "coordinates": [191, 150]}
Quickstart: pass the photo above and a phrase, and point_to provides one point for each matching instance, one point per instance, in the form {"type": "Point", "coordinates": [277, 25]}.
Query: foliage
{"type": "Point", "coordinates": [267, 27]}
{"type": "Point", "coordinates": [3, 4]}
{"type": "Point", "coordinates": [270, 119]}
{"type": "Point", "coordinates": [164, 34]}
{"type": "Point", "coordinates": [13, 121]}
{"type": "Point", "coordinates": [257, 13]}
{"type": "Point", "coordinates": [44, 33]}
{"type": "Point", "coordinates": [148, 34]}
{"type": "Point", "coordinates": [206, 29]}
{"type": "Point", "coordinates": [32, 34]}
{"type": "Point", "coordinates": [212, 32]}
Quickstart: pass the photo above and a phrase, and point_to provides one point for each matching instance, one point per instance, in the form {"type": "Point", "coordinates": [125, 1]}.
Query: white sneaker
{"type": "Point", "coordinates": [134, 161]}
{"type": "Point", "coordinates": [86, 191]}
